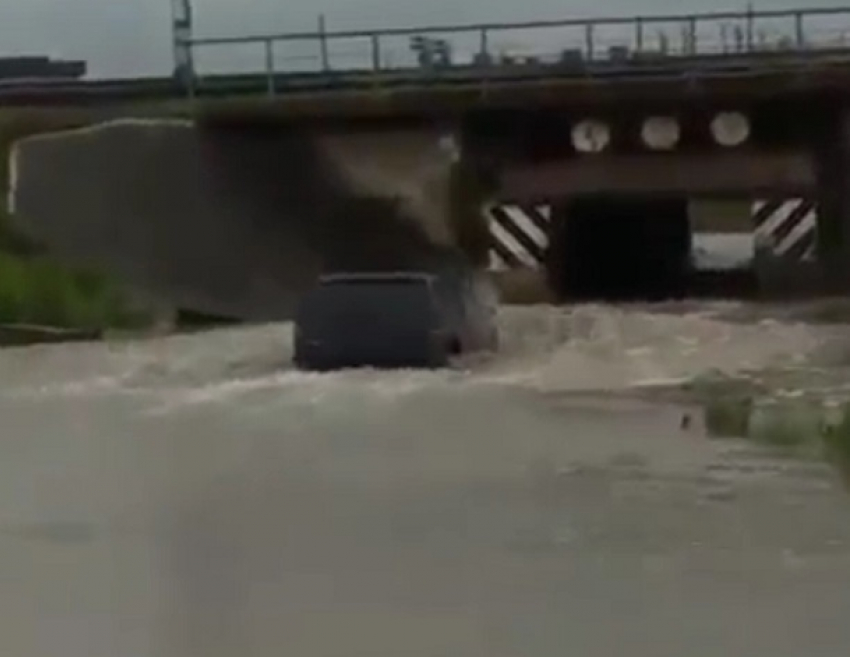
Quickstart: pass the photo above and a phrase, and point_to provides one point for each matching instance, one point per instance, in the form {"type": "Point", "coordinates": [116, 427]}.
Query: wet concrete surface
{"type": "Point", "coordinates": [180, 211]}
{"type": "Point", "coordinates": [195, 496]}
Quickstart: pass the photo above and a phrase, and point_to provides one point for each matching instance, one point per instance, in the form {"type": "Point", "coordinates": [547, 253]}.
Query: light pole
{"type": "Point", "coordinates": [181, 26]}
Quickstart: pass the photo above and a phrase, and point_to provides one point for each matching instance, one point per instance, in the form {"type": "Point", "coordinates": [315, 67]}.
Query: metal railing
{"type": "Point", "coordinates": [480, 49]}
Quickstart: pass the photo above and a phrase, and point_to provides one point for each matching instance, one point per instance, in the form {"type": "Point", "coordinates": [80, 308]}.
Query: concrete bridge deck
{"type": "Point", "coordinates": [745, 54]}
{"type": "Point", "coordinates": [286, 171]}
{"type": "Point", "coordinates": [352, 95]}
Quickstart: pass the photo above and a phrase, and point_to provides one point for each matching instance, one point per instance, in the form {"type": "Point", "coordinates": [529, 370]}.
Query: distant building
{"type": "Point", "coordinates": [42, 67]}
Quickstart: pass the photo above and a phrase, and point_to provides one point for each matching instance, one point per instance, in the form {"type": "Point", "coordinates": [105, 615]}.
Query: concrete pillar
{"type": "Point", "coordinates": [470, 186]}
{"type": "Point", "coordinates": [833, 150]}
{"type": "Point", "coordinates": [782, 265]}
{"type": "Point", "coordinates": [232, 220]}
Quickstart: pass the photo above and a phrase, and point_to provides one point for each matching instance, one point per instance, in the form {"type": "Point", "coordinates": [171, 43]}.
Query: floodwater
{"type": "Point", "coordinates": [194, 496]}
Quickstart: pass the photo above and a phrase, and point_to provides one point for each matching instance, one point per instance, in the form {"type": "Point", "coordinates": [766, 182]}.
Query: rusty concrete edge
{"type": "Point", "coordinates": [99, 126]}
{"type": "Point", "coordinates": [458, 98]}
{"type": "Point", "coordinates": [734, 172]}
{"type": "Point", "coordinates": [14, 153]}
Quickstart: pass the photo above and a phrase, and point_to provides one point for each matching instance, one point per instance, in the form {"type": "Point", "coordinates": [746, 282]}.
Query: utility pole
{"type": "Point", "coordinates": [750, 22]}
{"type": "Point", "coordinates": [323, 43]}
{"type": "Point", "coordinates": [181, 25]}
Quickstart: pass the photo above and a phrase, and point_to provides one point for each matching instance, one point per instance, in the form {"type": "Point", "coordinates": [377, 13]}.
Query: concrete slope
{"type": "Point", "coordinates": [234, 220]}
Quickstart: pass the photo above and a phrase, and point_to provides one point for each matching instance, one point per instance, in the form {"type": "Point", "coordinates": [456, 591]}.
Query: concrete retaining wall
{"type": "Point", "coordinates": [232, 220]}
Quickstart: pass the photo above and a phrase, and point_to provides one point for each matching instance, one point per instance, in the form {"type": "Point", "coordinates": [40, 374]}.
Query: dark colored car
{"type": "Point", "coordinates": [397, 319]}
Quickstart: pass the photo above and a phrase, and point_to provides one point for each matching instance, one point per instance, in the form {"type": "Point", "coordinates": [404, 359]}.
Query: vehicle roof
{"type": "Point", "coordinates": [376, 276]}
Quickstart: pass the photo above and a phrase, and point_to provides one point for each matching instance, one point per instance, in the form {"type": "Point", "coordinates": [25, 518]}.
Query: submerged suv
{"type": "Point", "coordinates": [394, 319]}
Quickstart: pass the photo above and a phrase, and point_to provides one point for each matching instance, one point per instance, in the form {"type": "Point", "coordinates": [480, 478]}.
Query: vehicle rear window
{"type": "Point", "coordinates": [402, 302]}
{"type": "Point", "coordinates": [376, 283]}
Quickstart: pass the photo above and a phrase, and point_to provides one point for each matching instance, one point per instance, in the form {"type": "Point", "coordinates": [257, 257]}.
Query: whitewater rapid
{"type": "Point", "coordinates": [587, 348]}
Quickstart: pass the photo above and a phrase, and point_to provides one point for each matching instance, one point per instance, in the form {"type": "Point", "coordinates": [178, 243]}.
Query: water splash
{"type": "Point", "coordinates": [551, 350]}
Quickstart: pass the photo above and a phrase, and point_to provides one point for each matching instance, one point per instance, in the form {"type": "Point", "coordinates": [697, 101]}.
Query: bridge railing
{"type": "Point", "coordinates": [482, 50]}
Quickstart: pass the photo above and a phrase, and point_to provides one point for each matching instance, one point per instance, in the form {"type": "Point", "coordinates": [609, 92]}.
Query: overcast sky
{"type": "Point", "coordinates": [132, 37]}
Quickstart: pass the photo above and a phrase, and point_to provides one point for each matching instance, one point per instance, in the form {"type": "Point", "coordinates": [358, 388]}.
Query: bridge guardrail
{"type": "Point", "coordinates": [482, 51]}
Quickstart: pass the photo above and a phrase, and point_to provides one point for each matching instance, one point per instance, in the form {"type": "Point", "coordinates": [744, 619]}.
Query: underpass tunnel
{"type": "Point", "coordinates": [620, 248]}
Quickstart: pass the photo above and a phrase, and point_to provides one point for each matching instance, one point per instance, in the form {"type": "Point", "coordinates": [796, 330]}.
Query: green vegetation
{"type": "Point", "coordinates": [728, 417]}
{"type": "Point", "coordinates": [35, 288]}
{"type": "Point", "coordinates": [786, 423]}
{"type": "Point", "coordinates": [770, 421]}
{"type": "Point", "coordinates": [797, 426]}
{"type": "Point", "coordinates": [837, 442]}
{"type": "Point", "coordinates": [39, 291]}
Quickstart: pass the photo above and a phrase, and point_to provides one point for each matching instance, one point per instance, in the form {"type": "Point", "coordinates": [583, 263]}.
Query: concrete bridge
{"type": "Point", "coordinates": [573, 163]}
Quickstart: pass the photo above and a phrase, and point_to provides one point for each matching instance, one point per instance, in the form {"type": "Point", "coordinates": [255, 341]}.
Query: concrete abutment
{"type": "Point", "coordinates": [833, 195]}
{"type": "Point", "coordinates": [234, 219]}
{"type": "Point", "coordinates": [237, 219]}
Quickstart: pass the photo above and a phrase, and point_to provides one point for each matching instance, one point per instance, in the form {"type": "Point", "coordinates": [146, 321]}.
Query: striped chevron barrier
{"type": "Point", "coordinates": [787, 226]}
{"type": "Point", "coordinates": [519, 236]}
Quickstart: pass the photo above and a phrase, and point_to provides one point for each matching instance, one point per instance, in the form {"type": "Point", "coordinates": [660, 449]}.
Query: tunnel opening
{"type": "Point", "coordinates": [620, 248]}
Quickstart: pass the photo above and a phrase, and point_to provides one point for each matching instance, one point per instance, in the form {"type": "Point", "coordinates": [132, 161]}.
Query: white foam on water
{"type": "Point", "coordinates": [544, 349]}
{"type": "Point", "coordinates": [613, 348]}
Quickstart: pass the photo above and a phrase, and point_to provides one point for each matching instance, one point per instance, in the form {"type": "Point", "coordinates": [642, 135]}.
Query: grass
{"type": "Point", "coordinates": [37, 290]}
{"type": "Point", "coordinates": [836, 438]}
{"type": "Point", "coordinates": [728, 417]}
{"type": "Point", "coordinates": [779, 423]}
{"type": "Point", "coordinates": [794, 426]}
{"type": "Point", "coordinates": [786, 425]}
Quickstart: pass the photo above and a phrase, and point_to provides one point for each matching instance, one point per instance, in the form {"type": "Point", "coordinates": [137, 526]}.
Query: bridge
{"type": "Point", "coordinates": [657, 47]}
{"type": "Point", "coordinates": [567, 152]}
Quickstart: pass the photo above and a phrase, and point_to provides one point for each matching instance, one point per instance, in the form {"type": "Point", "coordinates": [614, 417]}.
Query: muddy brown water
{"type": "Point", "coordinates": [194, 495]}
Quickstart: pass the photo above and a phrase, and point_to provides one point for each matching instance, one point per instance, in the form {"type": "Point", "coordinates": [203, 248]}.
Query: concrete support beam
{"type": "Point", "coordinates": [235, 221]}
{"type": "Point", "coordinates": [833, 151]}
{"type": "Point", "coordinates": [470, 186]}
{"type": "Point", "coordinates": [680, 174]}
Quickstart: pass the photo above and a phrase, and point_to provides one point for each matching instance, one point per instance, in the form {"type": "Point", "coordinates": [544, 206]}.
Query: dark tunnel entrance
{"type": "Point", "coordinates": [621, 248]}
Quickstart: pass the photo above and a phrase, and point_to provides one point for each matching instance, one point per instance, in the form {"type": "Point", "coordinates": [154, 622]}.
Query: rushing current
{"type": "Point", "coordinates": [195, 495]}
